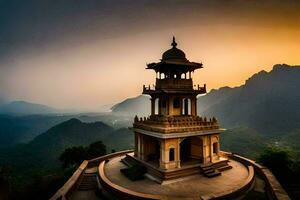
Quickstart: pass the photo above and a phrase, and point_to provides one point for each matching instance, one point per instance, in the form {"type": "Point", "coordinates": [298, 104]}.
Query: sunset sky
{"type": "Point", "coordinates": [81, 55]}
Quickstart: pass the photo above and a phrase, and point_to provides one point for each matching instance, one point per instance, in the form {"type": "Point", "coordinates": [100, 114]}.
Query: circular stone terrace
{"type": "Point", "coordinates": [232, 182]}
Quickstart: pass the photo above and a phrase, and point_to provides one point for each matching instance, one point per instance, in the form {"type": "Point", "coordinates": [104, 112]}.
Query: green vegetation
{"type": "Point", "coordinates": [5, 176]}
{"type": "Point", "coordinates": [284, 166]}
{"type": "Point", "coordinates": [244, 141]}
{"type": "Point", "coordinates": [72, 156]}
{"type": "Point", "coordinates": [42, 184]}
{"type": "Point", "coordinates": [75, 155]}
{"type": "Point", "coordinates": [36, 172]}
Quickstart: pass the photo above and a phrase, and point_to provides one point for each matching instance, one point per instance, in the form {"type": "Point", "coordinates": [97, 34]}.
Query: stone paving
{"type": "Point", "coordinates": [192, 186]}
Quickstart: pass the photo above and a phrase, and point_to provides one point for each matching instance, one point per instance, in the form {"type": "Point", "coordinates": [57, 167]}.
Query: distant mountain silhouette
{"type": "Point", "coordinates": [19, 129]}
{"type": "Point", "coordinates": [26, 108]}
{"type": "Point", "coordinates": [268, 101]}
{"type": "Point", "coordinates": [132, 106]}
{"type": "Point", "coordinates": [16, 129]}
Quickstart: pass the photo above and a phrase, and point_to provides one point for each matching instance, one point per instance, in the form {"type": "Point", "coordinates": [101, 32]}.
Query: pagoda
{"type": "Point", "coordinates": [174, 138]}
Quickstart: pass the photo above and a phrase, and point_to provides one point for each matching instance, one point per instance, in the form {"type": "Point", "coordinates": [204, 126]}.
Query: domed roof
{"type": "Point", "coordinates": [174, 53]}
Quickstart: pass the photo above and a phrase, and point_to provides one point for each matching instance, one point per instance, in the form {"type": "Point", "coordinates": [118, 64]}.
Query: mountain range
{"type": "Point", "coordinates": [268, 102]}
{"type": "Point", "coordinates": [26, 108]}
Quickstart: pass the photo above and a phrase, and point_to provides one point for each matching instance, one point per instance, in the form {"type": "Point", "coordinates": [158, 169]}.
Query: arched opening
{"type": "Point", "coordinates": [187, 106]}
{"type": "Point", "coordinates": [215, 148]}
{"type": "Point", "coordinates": [176, 103]}
{"type": "Point", "coordinates": [162, 76]}
{"type": "Point", "coordinates": [185, 150]}
{"type": "Point", "coordinates": [175, 76]}
{"type": "Point", "coordinates": [182, 76]}
{"type": "Point", "coordinates": [171, 154]}
{"type": "Point", "coordinates": [191, 151]}
{"type": "Point", "coordinates": [151, 149]}
{"type": "Point", "coordinates": [163, 107]}
{"type": "Point", "coordinates": [197, 148]}
{"type": "Point", "coordinates": [164, 103]}
{"type": "Point", "coordinates": [156, 104]}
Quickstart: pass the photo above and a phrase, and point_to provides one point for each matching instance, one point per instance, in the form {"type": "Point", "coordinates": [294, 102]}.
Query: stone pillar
{"type": "Point", "coordinates": [195, 106]}
{"type": "Point", "coordinates": [210, 149]}
{"type": "Point", "coordinates": [152, 106]}
{"type": "Point", "coordinates": [167, 105]}
{"type": "Point", "coordinates": [143, 147]}
{"type": "Point", "coordinates": [204, 138]}
{"type": "Point", "coordinates": [170, 105]}
{"type": "Point", "coordinates": [162, 160]}
{"type": "Point", "coordinates": [186, 106]}
{"type": "Point", "coordinates": [139, 145]}
{"type": "Point", "coordinates": [181, 106]}
{"type": "Point", "coordinates": [177, 157]}
{"type": "Point", "coordinates": [159, 106]}
{"type": "Point", "coordinates": [136, 145]}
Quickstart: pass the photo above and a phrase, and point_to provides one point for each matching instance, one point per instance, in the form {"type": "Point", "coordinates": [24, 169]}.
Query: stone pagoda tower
{"type": "Point", "coordinates": [174, 138]}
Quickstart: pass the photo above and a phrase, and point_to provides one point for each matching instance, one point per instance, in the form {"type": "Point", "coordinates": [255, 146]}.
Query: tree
{"type": "Point", "coordinates": [75, 155]}
{"type": "Point", "coordinates": [95, 150]}
{"type": "Point", "coordinates": [5, 172]}
{"type": "Point", "coordinates": [276, 158]}
{"type": "Point", "coordinates": [72, 156]}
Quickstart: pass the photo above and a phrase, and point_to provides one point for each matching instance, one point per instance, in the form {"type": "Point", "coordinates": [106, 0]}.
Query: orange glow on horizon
{"type": "Point", "coordinates": [101, 72]}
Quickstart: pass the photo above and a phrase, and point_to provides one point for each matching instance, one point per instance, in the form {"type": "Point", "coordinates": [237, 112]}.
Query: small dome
{"type": "Point", "coordinates": [174, 53]}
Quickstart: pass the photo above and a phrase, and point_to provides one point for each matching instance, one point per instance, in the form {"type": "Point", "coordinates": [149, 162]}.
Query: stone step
{"type": "Point", "coordinates": [177, 174]}
{"type": "Point", "coordinates": [221, 169]}
{"type": "Point", "coordinates": [208, 171]}
{"type": "Point", "coordinates": [207, 167]}
{"type": "Point", "coordinates": [213, 174]}
{"type": "Point", "coordinates": [88, 182]}
{"type": "Point", "coordinates": [126, 162]}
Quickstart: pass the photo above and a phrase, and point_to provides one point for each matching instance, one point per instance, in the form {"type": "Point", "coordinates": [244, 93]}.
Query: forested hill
{"type": "Point", "coordinates": [44, 150]}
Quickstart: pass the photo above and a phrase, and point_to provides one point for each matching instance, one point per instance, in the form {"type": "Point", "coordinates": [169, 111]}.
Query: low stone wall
{"type": "Point", "coordinates": [96, 161]}
{"type": "Point", "coordinates": [66, 190]}
{"type": "Point", "coordinates": [273, 188]}
{"type": "Point", "coordinates": [124, 193]}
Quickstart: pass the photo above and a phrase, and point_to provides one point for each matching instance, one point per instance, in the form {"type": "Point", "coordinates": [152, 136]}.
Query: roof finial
{"type": "Point", "coordinates": [174, 44]}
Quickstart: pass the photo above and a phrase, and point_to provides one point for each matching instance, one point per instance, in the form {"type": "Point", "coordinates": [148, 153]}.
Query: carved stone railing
{"type": "Point", "coordinates": [174, 84]}
{"type": "Point", "coordinates": [173, 124]}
